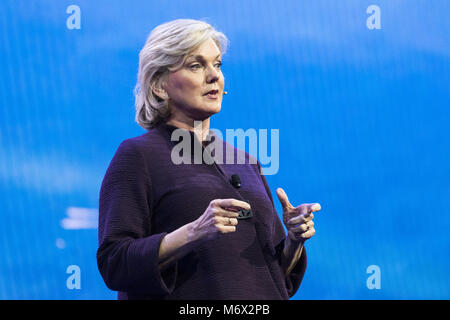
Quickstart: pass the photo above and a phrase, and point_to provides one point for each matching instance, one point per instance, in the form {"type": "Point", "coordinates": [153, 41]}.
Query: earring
{"type": "Point", "coordinates": [225, 92]}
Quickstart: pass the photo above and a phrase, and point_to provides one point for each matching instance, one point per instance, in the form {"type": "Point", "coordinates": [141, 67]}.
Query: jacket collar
{"type": "Point", "coordinates": [168, 130]}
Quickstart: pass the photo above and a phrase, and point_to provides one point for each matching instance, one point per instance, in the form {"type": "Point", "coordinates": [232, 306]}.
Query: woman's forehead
{"type": "Point", "coordinates": [207, 50]}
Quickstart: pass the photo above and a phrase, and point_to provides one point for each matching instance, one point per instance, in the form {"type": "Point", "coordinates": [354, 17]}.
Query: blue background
{"type": "Point", "coordinates": [363, 119]}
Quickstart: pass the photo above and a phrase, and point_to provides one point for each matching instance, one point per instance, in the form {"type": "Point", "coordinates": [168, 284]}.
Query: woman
{"type": "Point", "coordinates": [173, 231]}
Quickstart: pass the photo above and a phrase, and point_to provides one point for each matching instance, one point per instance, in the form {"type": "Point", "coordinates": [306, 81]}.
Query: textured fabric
{"type": "Point", "coordinates": [144, 196]}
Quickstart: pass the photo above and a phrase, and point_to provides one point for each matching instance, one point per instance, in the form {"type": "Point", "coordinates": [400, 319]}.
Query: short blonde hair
{"type": "Point", "coordinates": [165, 51]}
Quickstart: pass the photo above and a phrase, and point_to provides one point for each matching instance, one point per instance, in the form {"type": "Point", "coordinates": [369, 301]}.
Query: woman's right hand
{"type": "Point", "coordinates": [219, 217]}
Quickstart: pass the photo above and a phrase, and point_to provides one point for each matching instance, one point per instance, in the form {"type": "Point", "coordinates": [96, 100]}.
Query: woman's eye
{"type": "Point", "coordinates": [196, 66]}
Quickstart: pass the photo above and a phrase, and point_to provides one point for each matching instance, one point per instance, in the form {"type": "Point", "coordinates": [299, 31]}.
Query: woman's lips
{"type": "Point", "coordinates": [213, 94]}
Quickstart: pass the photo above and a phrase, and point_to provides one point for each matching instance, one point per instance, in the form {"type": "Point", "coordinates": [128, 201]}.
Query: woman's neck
{"type": "Point", "coordinates": [200, 128]}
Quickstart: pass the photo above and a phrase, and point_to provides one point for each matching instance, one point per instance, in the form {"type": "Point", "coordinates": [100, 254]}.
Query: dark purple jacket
{"type": "Point", "coordinates": [144, 196]}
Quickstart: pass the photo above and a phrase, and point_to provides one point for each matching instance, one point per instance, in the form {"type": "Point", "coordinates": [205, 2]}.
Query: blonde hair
{"type": "Point", "coordinates": [165, 51]}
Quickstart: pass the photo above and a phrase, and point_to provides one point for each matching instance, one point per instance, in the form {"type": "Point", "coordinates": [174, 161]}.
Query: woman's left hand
{"type": "Point", "coordinates": [298, 220]}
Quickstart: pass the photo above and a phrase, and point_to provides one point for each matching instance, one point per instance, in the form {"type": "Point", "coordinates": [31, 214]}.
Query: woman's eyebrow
{"type": "Point", "coordinates": [200, 57]}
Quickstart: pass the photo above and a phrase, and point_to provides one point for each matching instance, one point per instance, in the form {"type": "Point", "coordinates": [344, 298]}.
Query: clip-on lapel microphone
{"type": "Point", "coordinates": [243, 214]}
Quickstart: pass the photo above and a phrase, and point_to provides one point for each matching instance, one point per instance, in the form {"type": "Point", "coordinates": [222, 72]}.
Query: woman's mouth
{"type": "Point", "coordinates": [213, 94]}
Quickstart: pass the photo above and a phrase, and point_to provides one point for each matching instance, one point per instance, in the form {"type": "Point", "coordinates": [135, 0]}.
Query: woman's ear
{"type": "Point", "coordinates": [161, 93]}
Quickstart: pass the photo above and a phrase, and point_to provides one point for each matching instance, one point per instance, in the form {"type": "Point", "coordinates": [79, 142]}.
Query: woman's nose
{"type": "Point", "coordinates": [212, 75]}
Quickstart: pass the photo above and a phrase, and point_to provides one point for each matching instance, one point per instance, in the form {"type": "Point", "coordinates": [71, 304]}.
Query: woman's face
{"type": "Point", "coordinates": [187, 88]}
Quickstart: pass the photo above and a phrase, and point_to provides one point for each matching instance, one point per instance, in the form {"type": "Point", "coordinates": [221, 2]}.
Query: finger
{"type": "Point", "coordinates": [310, 224]}
{"type": "Point", "coordinates": [297, 220]}
{"type": "Point", "coordinates": [307, 208]}
{"type": "Point", "coordinates": [308, 234]}
{"type": "Point", "coordinates": [303, 228]}
{"type": "Point", "coordinates": [226, 229]}
{"type": "Point", "coordinates": [220, 212]}
{"type": "Point", "coordinates": [232, 204]}
{"type": "Point", "coordinates": [226, 221]}
{"type": "Point", "coordinates": [282, 196]}
{"type": "Point", "coordinates": [299, 229]}
{"type": "Point", "coordinates": [308, 216]}
{"type": "Point", "coordinates": [300, 219]}
{"type": "Point", "coordinates": [313, 207]}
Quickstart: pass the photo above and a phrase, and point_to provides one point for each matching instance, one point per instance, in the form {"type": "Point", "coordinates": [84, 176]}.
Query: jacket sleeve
{"type": "Point", "coordinates": [294, 279]}
{"type": "Point", "coordinates": [127, 256]}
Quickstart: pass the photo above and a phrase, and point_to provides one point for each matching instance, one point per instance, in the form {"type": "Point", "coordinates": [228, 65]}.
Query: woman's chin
{"type": "Point", "coordinates": [211, 110]}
